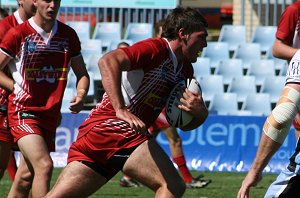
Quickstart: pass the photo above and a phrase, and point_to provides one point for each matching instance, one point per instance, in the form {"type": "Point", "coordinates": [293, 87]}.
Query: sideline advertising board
{"type": "Point", "coordinates": [222, 143]}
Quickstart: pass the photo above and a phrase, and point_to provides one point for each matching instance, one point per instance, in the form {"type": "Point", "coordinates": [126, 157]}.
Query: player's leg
{"type": "Point", "coordinates": [5, 149]}
{"type": "Point", "coordinates": [151, 166]}
{"type": "Point", "coordinates": [76, 180]}
{"type": "Point", "coordinates": [179, 159]}
{"type": "Point", "coordinates": [36, 154]}
{"type": "Point", "coordinates": [23, 180]}
{"type": "Point", "coordinates": [12, 166]}
{"type": "Point", "coordinates": [175, 144]}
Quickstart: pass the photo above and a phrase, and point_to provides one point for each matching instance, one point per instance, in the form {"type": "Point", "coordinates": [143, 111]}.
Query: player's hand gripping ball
{"type": "Point", "coordinates": [175, 116]}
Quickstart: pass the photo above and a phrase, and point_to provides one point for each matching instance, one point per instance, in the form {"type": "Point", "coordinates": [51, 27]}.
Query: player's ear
{"type": "Point", "coordinates": [181, 33]}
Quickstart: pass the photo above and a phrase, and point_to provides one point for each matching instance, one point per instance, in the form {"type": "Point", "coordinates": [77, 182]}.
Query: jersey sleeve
{"type": "Point", "coordinates": [10, 44]}
{"type": "Point", "coordinates": [146, 53]}
{"type": "Point", "coordinates": [287, 24]}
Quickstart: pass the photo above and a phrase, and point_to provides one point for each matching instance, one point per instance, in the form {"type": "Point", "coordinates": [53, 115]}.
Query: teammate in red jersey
{"type": "Point", "coordinates": [25, 11]}
{"type": "Point", "coordinates": [43, 50]}
{"type": "Point", "coordinates": [115, 135]}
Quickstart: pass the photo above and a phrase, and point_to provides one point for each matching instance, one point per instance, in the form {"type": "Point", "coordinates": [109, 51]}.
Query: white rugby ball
{"type": "Point", "coordinates": [175, 116]}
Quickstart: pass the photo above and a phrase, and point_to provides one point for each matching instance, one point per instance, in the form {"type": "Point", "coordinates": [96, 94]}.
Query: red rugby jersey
{"type": "Point", "coordinates": [40, 72]}
{"type": "Point", "coordinates": [288, 28]}
{"type": "Point", "coordinates": [148, 90]}
{"type": "Point", "coordinates": [6, 24]}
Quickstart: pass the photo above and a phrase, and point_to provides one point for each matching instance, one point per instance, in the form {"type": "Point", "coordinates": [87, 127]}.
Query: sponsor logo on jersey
{"type": "Point", "coordinates": [154, 101]}
{"type": "Point", "coordinates": [47, 73]}
{"type": "Point", "coordinates": [30, 46]}
{"type": "Point", "coordinates": [26, 115]}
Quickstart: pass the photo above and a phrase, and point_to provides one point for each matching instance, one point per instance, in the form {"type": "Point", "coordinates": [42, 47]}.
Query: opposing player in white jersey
{"type": "Point", "coordinates": [43, 50]}
{"type": "Point", "coordinates": [115, 136]}
{"type": "Point", "coordinates": [26, 10]}
{"type": "Point", "coordinates": [286, 46]}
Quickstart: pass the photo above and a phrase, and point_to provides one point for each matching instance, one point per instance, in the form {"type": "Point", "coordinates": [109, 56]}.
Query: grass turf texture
{"type": "Point", "coordinates": [224, 184]}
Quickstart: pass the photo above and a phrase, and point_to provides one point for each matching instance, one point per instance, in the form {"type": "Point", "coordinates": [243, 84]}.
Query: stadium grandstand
{"type": "Point", "coordinates": [241, 31]}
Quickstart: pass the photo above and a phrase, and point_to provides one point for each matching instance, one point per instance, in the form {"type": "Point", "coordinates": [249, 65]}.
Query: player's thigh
{"type": "Point", "coordinates": [150, 165]}
{"type": "Point", "coordinates": [34, 148]}
{"type": "Point", "coordinates": [77, 180]}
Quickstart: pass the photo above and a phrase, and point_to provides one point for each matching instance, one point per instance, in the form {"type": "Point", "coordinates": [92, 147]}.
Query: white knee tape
{"type": "Point", "coordinates": [283, 114]}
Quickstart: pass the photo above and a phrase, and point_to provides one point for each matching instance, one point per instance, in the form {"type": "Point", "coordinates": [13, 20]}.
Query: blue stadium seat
{"type": "Point", "coordinates": [261, 69]}
{"type": "Point", "coordinates": [233, 35]}
{"type": "Point", "coordinates": [211, 85]}
{"type": "Point", "coordinates": [229, 69]}
{"type": "Point", "coordinates": [243, 86]}
{"type": "Point", "coordinates": [108, 32]}
{"type": "Point", "coordinates": [91, 47]}
{"type": "Point", "coordinates": [247, 52]}
{"type": "Point", "coordinates": [201, 67]}
{"type": "Point", "coordinates": [138, 31]}
{"type": "Point", "coordinates": [216, 51]}
{"type": "Point", "coordinates": [265, 36]}
{"type": "Point", "coordinates": [224, 104]}
{"type": "Point", "coordinates": [273, 85]}
{"type": "Point", "coordinates": [82, 29]}
{"type": "Point", "coordinates": [259, 104]}
{"type": "Point", "coordinates": [92, 66]}
{"type": "Point", "coordinates": [279, 64]}
{"type": "Point", "coordinates": [68, 95]}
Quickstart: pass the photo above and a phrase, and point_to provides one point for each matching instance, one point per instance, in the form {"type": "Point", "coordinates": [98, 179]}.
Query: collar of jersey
{"type": "Point", "coordinates": [17, 16]}
{"type": "Point", "coordinates": [42, 32]}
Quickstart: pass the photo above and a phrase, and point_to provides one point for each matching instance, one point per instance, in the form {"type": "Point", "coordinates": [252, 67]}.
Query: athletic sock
{"type": "Point", "coordinates": [183, 169]}
{"type": "Point", "coordinates": [12, 167]}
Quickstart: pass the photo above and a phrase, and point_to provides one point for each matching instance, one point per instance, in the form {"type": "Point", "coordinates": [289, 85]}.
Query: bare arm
{"type": "Point", "coordinates": [111, 66]}
{"type": "Point", "coordinates": [5, 82]}
{"type": "Point", "coordinates": [282, 50]}
{"type": "Point", "coordinates": [266, 149]}
{"type": "Point", "coordinates": [83, 82]}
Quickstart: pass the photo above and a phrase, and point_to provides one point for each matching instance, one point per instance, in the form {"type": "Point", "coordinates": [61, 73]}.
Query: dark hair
{"type": "Point", "coordinates": [188, 18]}
{"type": "Point", "coordinates": [157, 26]}
{"type": "Point", "coordinates": [122, 43]}
{"type": "Point", "coordinates": [3, 13]}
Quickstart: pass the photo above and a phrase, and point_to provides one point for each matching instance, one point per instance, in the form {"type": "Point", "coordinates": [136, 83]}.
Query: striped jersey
{"type": "Point", "coordinates": [5, 25]}
{"type": "Point", "coordinates": [155, 71]}
{"type": "Point", "coordinates": [40, 71]}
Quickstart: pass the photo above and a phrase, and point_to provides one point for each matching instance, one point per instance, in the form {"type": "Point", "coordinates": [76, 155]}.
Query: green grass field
{"type": "Point", "coordinates": [224, 185]}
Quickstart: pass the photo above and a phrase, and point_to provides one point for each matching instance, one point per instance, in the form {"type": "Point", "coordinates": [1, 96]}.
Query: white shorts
{"type": "Point", "coordinates": [285, 185]}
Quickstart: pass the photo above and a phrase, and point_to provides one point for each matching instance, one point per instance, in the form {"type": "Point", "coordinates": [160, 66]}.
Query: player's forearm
{"type": "Point", "coordinates": [111, 81]}
{"type": "Point", "coordinates": [266, 149]}
{"type": "Point", "coordinates": [83, 86]}
{"type": "Point", "coordinates": [6, 82]}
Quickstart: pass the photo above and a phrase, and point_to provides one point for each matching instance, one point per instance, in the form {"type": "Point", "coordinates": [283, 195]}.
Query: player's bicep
{"type": "Point", "coordinates": [118, 57]}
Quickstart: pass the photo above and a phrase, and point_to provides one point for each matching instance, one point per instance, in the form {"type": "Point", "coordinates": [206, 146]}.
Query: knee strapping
{"type": "Point", "coordinates": [279, 122]}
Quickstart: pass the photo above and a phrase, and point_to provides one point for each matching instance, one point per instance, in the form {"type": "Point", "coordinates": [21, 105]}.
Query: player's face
{"type": "Point", "coordinates": [194, 44]}
{"type": "Point", "coordinates": [47, 9]}
{"type": "Point", "coordinates": [29, 8]}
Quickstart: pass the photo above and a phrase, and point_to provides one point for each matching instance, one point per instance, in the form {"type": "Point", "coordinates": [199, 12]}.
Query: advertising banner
{"type": "Point", "coordinates": [222, 143]}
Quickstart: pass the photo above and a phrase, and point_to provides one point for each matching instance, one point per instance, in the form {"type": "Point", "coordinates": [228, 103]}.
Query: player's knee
{"type": "Point", "coordinates": [45, 167]}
